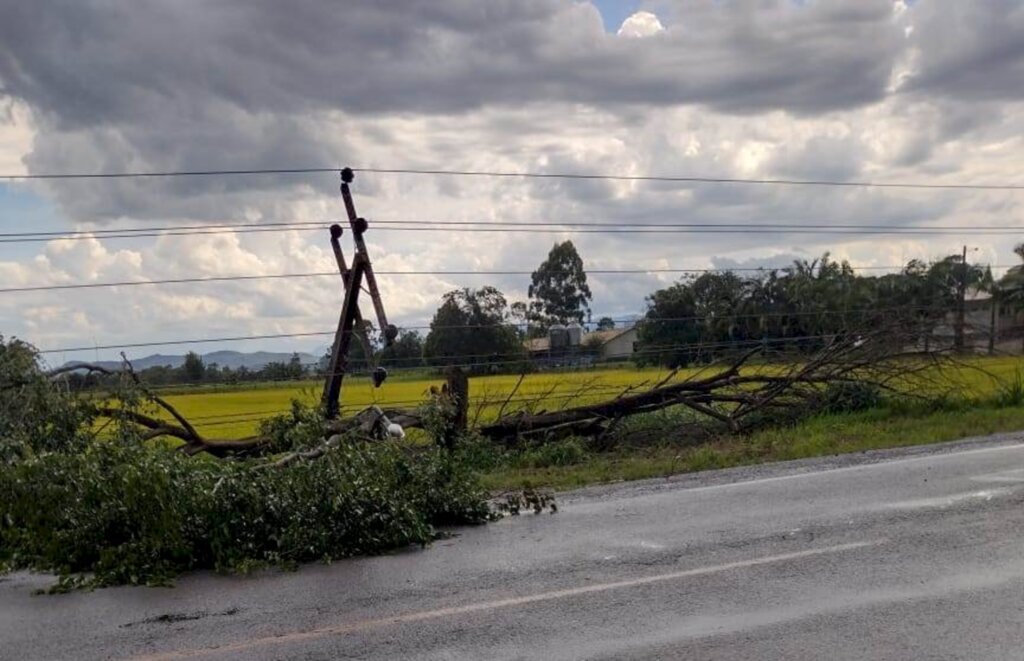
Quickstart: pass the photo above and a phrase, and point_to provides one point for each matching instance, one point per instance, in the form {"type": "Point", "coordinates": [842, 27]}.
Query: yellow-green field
{"type": "Point", "coordinates": [236, 412]}
{"type": "Point", "coordinates": [230, 413]}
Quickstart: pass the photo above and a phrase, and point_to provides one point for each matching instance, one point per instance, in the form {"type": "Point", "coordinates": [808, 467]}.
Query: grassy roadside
{"type": "Point", "coordinates": [820, 436]}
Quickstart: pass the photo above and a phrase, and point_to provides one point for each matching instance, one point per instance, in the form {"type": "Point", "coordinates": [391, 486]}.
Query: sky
{"type": "Point", "coordinates": [849, 90]}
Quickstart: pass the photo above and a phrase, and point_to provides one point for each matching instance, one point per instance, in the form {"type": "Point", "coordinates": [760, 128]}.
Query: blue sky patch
{"type": "Point", "coordinates": [615, 11]}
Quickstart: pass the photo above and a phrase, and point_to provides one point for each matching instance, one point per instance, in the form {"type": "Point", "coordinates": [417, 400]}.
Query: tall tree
{"type": "Point", "coordinates": [194, 367]}
{"type": "Point", "coordinates": [1011, 285]}
{"type": "Point", "coordinates": [669, 332]}
{"type": "Point", "coordinates": [472, 328]}
{"type": "Point", "coordinates": [405, 351]}
{"type": "Point", "coordinates": [558, 288]}
{"type": "Point", "coordinates": [1009, 290]}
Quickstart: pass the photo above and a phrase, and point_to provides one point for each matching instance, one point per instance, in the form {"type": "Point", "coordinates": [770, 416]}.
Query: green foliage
{"type": "Point", "coordinates": [111, 508]}
{"type": "Point", "coordinates": [558, 288]}
{"type": "Point", "coordinates": [850, 396]}
{"type": "Point", "coordinates": [564, 452]}
{"type": "Point", "coordinates": [471, 327]}
{"type": "Point", "coordinates": [195, 368]}
{"type": "Point", "coordinates": [37, 415]}
{"type": "Point", "coordinates": [406, 351]}
{"type": "Point", "coordinates": [278, 371]}
{"type": "Point", "coordinates": [605, 323]}
{"type": "Point", "coordinates": [669, 331]}
{"type": "Point", "coordinates": [703, 317]}
{"type": "Point", "coordinates": [125, 513]}
{"type": "Point", "coordinates": [1011, 391]}
{"type": "Point", "coordinates": [705, 458]}
{"type": "Point", "coordinates": [1010, 288]}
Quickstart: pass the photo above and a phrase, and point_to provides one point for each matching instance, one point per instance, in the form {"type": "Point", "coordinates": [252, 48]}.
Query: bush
{"type": "Point", "coordinates": [36, 415]}
{"type": "Point", "coordinates": [850, 396]}
{"type": "Point", "coordinates": [110, 508]}
{"type": "Point", "coordinates": [130, 514]}
{"type": "Point", "coordinates": [555, 453]}
{"type": "Point", "coordinates": [1011, 391]}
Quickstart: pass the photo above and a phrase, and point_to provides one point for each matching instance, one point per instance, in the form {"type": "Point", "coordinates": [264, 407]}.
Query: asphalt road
{"type": "Point", "coordinates": [913, 554]}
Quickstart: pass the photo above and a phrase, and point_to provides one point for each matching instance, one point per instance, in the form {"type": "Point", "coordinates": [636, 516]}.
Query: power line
{"type": "Point", "coordinates": [633, 320]}
{"type": "Point", "coordinates": [284, 226]}
{"type": "Point", "coordinates": [320, 274]}
{"type": "Point", "coordinates": [518, 175]}
{"type": "Point", "coordinates": [690, 179]}
{"type": "Point", "coordinates": [133, 234]}
{"type": "Point", "coordinates": [165, 173]}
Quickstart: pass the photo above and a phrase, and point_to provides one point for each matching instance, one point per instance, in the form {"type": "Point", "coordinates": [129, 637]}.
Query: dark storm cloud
{"type": "Point", "coordinates": [970, 51]}
{"type": "Point", "coordinates": [96, 63]}
{"type": "Point", "coordinates": [152, 85]}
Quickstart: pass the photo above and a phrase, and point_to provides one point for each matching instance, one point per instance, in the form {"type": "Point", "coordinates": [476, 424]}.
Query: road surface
{"type": "Point", "coordinates": [894, 555]}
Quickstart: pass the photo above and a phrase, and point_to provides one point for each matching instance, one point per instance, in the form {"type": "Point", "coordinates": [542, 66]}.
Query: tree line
{"type": "Point", "coordinates": [698, 318]}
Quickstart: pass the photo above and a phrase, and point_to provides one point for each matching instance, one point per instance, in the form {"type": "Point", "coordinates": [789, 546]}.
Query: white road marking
{"type": "Point", "coordinates": [419, 616]}
{"type": "Point", "coordinates": [845, 469]}
{"type": "Point", "coordinates": [1012, 476]}
{"type": "Point", "coordinates": [946, 501]}
{"type": "Point", "coordinates": [644, 544]}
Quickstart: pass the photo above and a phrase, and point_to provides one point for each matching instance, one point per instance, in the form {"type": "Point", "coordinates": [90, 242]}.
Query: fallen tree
{"type": "Point", "coordinates": [85, 491]}
{"type": "Point", "coordinates": [733, 395]}
{"type": "Point", "coordinates": [85, 494]}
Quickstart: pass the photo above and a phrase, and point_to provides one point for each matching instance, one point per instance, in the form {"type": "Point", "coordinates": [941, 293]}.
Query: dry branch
{"type": "Point", "coordinates": [729, 396]}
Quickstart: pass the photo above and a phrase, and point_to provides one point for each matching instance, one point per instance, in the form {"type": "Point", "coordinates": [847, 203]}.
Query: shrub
{"type": "Point", "coordinates": [37, 415]}
{"type": "Point", "coordinates": [130, 514]}
{"type": "Point", "coordinates": [850, 396]}
{"type": "Point", "coordinates": [555, 453]}
{"type": "Point", "coordinates": [1011, 392]}
{"type": "Point", "coordinates": [105, 507]}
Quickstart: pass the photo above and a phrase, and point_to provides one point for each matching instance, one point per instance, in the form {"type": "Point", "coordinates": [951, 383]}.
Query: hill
{"type": "Point", "coordinates": [233, 359]}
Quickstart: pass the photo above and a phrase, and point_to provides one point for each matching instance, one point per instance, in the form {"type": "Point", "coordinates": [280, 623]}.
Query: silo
{"type": "Point", "coordinates": [558, 337]}
{"type": "Point", "coordinates": [575, 333]}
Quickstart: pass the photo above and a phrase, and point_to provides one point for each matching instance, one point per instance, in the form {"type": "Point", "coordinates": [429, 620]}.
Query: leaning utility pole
{"type": "Point", "coordinates": [958, 330]}
{"type": "Point", "coordinates": [352, 280]}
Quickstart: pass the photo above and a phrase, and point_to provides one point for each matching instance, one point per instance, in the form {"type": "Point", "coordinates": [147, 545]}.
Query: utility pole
{"type": "Point", "coordinates": [993, 324]}
{"type": "Point", "coordinates": [352, 280]}
{"type": "Point", "coordinates": [958, 337]}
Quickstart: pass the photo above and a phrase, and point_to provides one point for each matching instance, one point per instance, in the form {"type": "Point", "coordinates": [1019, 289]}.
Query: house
{"type": "Point", "coordinates": [615, 344]}
{"type": "Point", "coordinates": [537, 347]}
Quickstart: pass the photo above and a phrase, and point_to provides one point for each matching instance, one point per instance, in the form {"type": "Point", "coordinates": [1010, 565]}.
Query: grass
{"type": "Point", "coordinates": [820, 436]}
{"type": "Point", "coordinates": [985, 396]}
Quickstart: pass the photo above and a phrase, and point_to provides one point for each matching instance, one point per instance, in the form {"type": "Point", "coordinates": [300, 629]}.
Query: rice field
{"type": "Point", "coordinates": [234, 412]}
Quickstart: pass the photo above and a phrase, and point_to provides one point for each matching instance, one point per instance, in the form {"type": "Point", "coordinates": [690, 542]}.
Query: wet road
{"type": "Point", "coordinates": [895, 555]}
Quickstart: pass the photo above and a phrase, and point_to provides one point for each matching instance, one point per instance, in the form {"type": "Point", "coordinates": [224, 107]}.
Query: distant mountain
{"type": "Point", "coordinates": [232, 359]}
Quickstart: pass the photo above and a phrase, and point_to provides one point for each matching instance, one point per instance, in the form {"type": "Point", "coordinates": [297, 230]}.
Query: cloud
{"type": "Point", "coordinates": [160, 58]}
{"type": "Point", "coordinates": [766, 90]}
{"type": "Point", "coordinates": [640, 24]}
{"type": "Point", "coordinates": [966, 50]}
